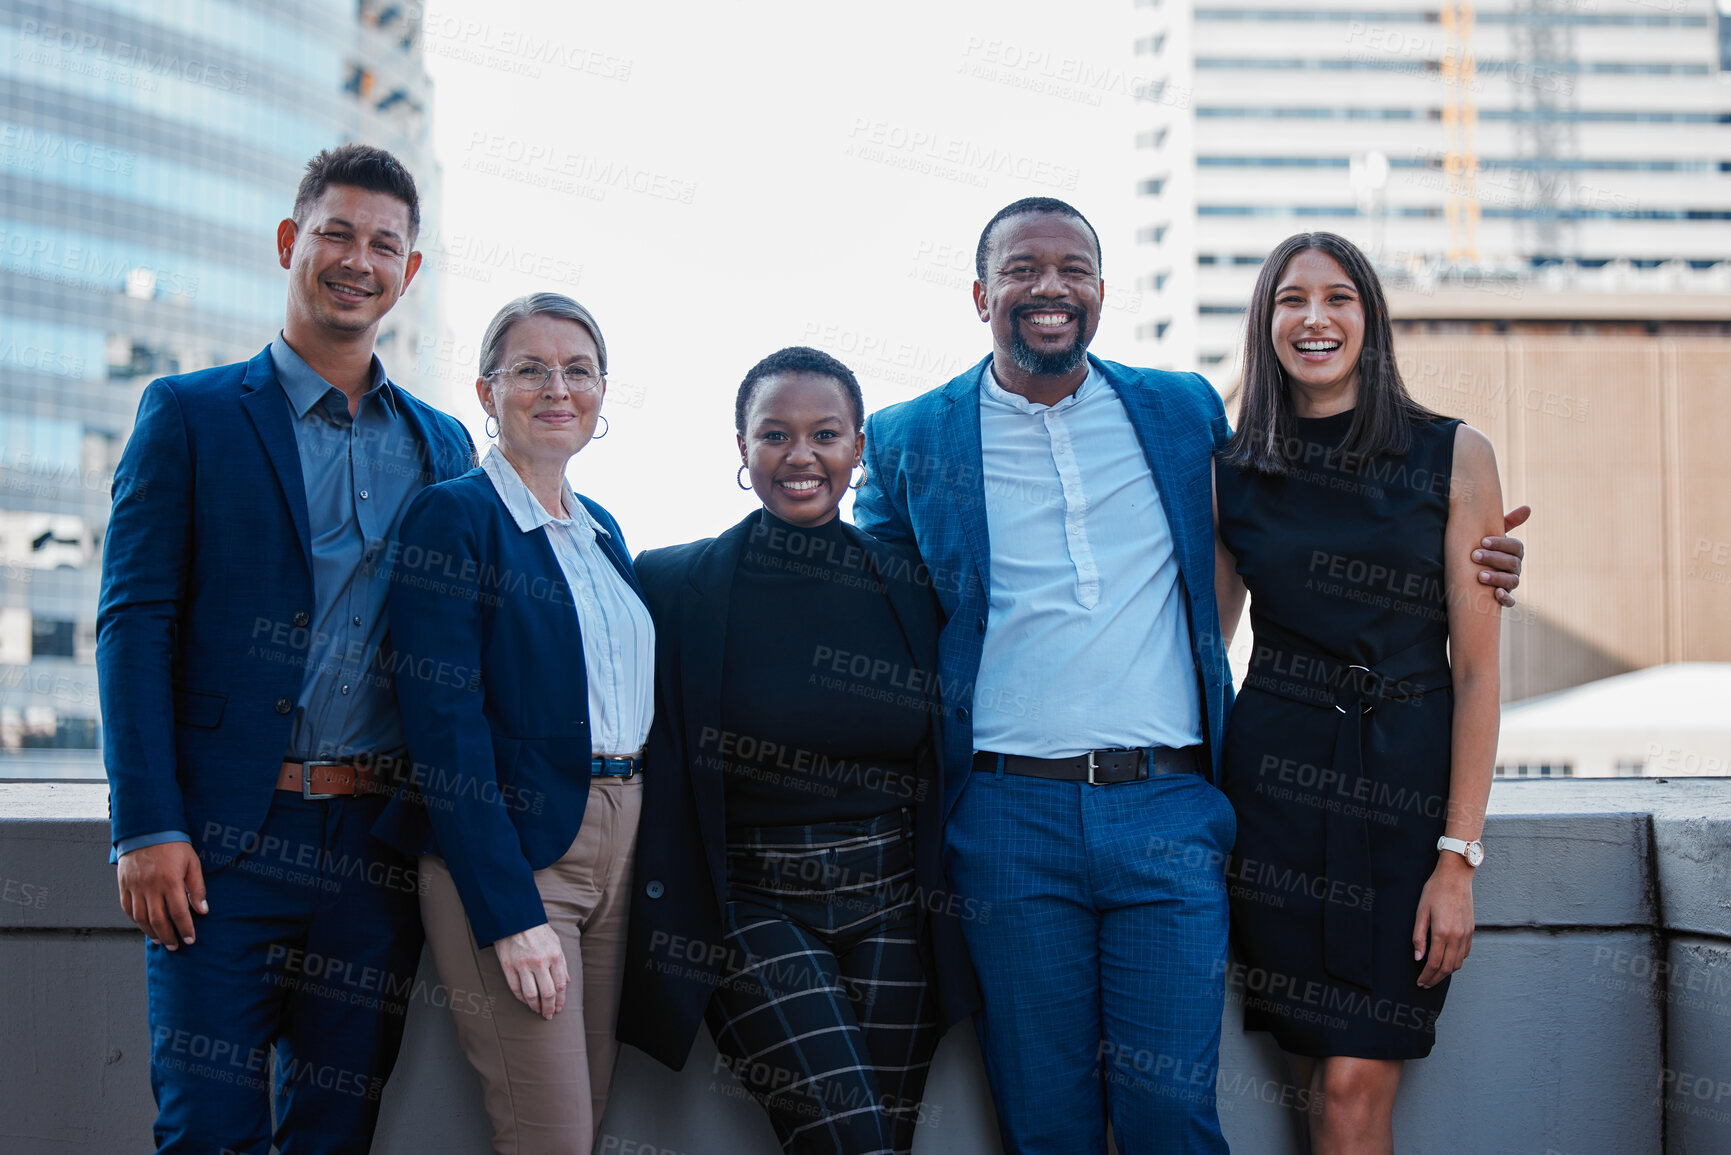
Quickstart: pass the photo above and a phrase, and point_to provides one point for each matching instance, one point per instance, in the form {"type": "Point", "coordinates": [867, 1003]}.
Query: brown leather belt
{"type": "Point", "coordinates": [1098, 767]}
{"type": "Point", "coordinates": [318, 778]}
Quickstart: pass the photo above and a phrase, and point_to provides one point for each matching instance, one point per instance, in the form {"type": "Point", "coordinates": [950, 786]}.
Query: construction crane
{"type": "Point", "coordinates": [1542, 85]}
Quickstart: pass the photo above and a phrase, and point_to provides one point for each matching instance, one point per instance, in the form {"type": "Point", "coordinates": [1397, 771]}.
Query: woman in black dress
{"type": "Point", "coordinates": [788, 882]}
{"type": "Point", "coordinates": [1359, 752]}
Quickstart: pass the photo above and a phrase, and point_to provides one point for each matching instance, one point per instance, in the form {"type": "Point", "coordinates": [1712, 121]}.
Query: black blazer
{"type": "Point", "coordinates": [674, 951]}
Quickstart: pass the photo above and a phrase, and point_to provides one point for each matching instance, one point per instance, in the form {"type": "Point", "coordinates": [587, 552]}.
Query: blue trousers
{"type": "Point", "coordinates": [1101, 960]}
{"type": "Point", "coordinates": [301, 974]}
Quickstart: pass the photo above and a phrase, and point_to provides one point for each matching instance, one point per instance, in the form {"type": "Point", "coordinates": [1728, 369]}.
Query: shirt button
{"type": "Point", "coordinates": [283, 705]}
{"type": "Point", "coordinates": [302, 618]}
{"type": "Point", "coordinates": [363, 495]}
{"type": "Point", "coordinates": [345, 689]}
{"type": "Point", "coordinates": [654, 889]}
{"type": "Point", "coordinates": [357, 619]}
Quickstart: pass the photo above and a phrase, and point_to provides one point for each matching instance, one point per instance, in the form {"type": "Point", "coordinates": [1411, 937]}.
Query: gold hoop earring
{"type": "Point", "coordinates": [861, 481]}
{"type": "Point", "coordinates": [739, 478]}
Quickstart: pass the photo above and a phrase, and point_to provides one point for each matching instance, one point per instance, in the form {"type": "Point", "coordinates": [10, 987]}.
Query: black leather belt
{"type": "Point", "coordinates": [1097, 767]}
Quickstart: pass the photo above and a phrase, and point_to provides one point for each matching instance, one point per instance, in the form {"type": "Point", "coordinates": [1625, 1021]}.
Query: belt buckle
{"type": "Point", "coordinates": [1362, 689]}
{"type": "Point", "coordinates": [1094, 764]}
{"type": "Point", "coordinates": [307, 778]}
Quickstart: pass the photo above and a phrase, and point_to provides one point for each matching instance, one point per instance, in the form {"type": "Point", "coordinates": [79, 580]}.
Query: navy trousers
{"type": "Point", "coordinates": [300, 975]}
{"type": "Point", "coordinates": [1100, 947]}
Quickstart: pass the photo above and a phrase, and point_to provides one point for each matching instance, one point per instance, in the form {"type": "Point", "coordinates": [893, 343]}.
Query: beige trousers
{"type": "Point", "coordinates": [545, 1084]}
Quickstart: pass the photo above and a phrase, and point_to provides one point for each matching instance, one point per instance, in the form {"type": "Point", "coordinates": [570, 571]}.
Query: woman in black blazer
{"type": "Point", "coordinates": [790, 889]}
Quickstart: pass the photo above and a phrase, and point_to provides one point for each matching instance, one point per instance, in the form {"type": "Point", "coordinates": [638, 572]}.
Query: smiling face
{"type": "Point", "coordinates": [349, 261]}
{"type": "Point", "coordinates": [1041, 294]}
{"type": "Point", "coordinates": [800, 445]}
{"type": "Point", "coordinates": [1317, 329]}
{"type": "Point", "coordinates": [553, 421]}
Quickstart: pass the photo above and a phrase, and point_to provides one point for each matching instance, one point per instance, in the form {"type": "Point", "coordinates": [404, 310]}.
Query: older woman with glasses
{"type": "Point", "coordinates": [524, 658]}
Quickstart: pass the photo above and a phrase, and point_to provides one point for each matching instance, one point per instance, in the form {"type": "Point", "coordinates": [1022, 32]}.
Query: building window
{"type": "Point", "coordinates": [1631, 767]}
{"type": "Point", "coordinates": [1535, 770]}
{"type": "Point", "coordinates": [52, 639]}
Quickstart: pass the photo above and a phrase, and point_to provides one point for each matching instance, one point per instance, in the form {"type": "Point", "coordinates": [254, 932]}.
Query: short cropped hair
{"type": "Point", "coordinates": [1026, 207]}
{"type": "Point", "coordinates": [358, 166]}
{"type": "Point", "coordinates": [799, 359]}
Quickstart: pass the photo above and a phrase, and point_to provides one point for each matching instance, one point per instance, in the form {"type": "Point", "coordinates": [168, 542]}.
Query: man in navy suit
{"type": "Point", "coordinates": [250, 733]}
{"type": "Point", "coordinates": [1063, 506]}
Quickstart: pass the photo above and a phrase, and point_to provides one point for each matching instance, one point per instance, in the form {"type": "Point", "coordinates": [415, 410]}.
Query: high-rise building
{"type": "Point", "coordinates": [147, 152]}
{"type": "Point", "coordinates": [1561, 144]}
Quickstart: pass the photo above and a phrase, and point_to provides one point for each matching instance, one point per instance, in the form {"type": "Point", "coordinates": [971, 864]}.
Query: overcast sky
{"type": "Point", "coordinates": [716, 181]}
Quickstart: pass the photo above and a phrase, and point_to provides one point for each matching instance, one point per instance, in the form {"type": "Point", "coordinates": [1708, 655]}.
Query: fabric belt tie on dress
{"type": "Point", "coordinates": [1296, 671]}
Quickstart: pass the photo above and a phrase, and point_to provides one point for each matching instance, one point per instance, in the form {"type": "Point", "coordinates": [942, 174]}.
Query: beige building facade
{"type": "Point", "coordinates": [1611, 417]}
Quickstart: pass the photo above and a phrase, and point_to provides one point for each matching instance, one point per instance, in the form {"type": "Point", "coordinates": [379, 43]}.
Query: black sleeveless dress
{"type": "Point", "coordinates": [1337, 752]}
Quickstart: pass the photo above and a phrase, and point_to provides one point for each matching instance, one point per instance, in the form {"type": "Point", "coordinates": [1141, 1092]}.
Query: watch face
{"type": "Point", "coordinates": [1475, 854]}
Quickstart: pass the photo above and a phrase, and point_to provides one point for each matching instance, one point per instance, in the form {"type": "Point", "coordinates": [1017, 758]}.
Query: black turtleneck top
{"type": "Point", "coordinates": [822, 708]}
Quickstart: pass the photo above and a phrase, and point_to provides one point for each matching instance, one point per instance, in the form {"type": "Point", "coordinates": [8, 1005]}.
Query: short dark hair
{"type": "Point", "coordinates": [358, 166]}
{"type": "Point", "coordinates": [799, 359]}
{"type": "Point", "coordinates": [1382, 419]}
{"type": "Point", "coordinates": [1026, 207]}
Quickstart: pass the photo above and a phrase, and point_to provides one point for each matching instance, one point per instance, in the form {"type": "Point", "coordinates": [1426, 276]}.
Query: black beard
{"type": "Point", "coordinates": [1047, 364]}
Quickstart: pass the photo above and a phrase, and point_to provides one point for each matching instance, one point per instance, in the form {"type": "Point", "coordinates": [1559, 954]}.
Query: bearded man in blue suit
{"type": "Point", "coordinates": [250, 734]}
{"type": "Point", "coordinates": [1063, 507]}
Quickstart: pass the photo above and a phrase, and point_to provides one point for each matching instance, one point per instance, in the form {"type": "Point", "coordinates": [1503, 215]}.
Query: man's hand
{"type": "Point", "coordinates": [1501, 557]}
{"type": "Point", "coordinates": [160, 887]}
{"type": "Point", "coordinates": [534, 966]}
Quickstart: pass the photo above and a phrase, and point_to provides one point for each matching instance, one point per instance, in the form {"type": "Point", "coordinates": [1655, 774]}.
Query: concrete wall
{"type": "Point", "coordinates": [1594, 1017]}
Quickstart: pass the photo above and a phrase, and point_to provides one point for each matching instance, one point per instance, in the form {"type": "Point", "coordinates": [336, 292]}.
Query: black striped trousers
{"type": "Point", "coordinates": [823, 1012]}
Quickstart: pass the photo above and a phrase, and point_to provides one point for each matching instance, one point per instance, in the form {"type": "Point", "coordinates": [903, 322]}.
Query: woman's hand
{"type": "Point", "coordinates": [1444, 927]}
{"type": "Point", "coordinates": [534, 964]}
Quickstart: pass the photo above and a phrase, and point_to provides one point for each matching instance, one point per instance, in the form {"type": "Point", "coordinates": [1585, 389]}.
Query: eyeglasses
{"type": "Point", "coordinates": [530, 376]}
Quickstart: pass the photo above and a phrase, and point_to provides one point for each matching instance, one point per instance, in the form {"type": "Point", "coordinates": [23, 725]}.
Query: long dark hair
{"type": "Point", "coordinates": [1382, 421]}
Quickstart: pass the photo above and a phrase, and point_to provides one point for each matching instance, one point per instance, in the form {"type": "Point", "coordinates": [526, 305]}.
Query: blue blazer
{"type": "Point", "coordinates": [207, 554]}
{"type": "Point", "coordinates": [495, 698]}
{"type": "Point", "coordinates": [924, 488]}
{"type": "Point", "coordinates": [681, 879]}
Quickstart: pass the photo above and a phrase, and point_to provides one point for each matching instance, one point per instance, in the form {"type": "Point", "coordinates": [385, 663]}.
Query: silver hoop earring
{"type": "Point", "coordinates": [604, 427]}
{"type": "Point", "coordinates": [739, 478]}
{"type": "Point", "coordinates": [492, 421]}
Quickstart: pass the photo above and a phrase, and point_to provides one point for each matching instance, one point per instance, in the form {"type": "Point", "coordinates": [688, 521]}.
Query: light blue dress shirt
{"type": "Point", "coordinates": [1087, 641]}
{"type": "Point", "coordinates": [618, 634]}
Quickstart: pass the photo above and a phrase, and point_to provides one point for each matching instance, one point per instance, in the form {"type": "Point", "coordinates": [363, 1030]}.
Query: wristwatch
{"type": "Point", "coordinates": [1473, 852]}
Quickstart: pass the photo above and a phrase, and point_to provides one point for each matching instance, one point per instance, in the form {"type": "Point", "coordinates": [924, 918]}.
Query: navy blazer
{"type": "Point", "coordinates": [925, 489]}
{"type": "Point", "coordinates": [206, 589]}
{"type": "Point", "coordinates": [491, 681]}
{"type": "Point", "coordinates": [674, 949]}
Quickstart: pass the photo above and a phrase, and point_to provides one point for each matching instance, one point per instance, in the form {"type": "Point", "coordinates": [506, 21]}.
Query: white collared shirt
{"type": "Point", "coordinates": [1087, 640]}
{"type": "Point", "coordinates": [618, 635]}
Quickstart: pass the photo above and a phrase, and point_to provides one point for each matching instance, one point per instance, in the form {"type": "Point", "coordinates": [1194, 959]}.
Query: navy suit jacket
{"type": "Point", "coordinates": [674, 950]}
{"type": "Point", "coordinates": [206, 588]}
{"type": "Point", "coordinates": [925, 488]}
{"type": "Point", "coordinates": [494, 692]}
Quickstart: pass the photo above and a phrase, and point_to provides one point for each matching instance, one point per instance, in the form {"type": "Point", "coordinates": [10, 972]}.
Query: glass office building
{"type": "Point", "coordinates": [1512, 145]}
{"type": "Point", "coordinates": [148, 149]}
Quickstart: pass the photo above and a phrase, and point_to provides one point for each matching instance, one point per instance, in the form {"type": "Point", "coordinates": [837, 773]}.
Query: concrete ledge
{"type": "Point", "coordinates": [1593, 1017]}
